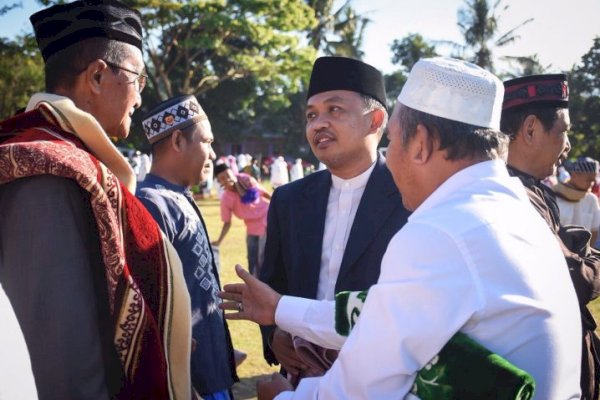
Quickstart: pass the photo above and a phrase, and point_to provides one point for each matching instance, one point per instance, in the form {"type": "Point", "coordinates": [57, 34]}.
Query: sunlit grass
{"type": "Point", "coordinates": [246, 336]}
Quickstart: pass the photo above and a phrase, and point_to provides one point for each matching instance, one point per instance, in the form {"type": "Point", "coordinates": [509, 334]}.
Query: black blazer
{"type": "Point", "coordinates": [295, 227]}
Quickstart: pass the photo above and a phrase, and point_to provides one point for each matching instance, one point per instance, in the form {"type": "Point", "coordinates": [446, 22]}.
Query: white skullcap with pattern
{"type": "Point", "coordinates": [455, 90]}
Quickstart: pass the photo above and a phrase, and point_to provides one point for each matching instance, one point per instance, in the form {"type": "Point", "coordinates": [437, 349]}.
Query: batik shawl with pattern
{"type": "Point", "coordinates": [147, 297]}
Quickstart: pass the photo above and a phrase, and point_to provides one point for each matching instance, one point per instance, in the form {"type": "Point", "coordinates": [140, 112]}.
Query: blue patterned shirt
{"type": "Point", "coordinates": [173, 207]}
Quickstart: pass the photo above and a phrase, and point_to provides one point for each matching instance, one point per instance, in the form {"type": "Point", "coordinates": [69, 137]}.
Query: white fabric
{"type": "Point", "coordinates": [296, 172]}
{"type": "Point", "coordinates": [585, 212]}
{"type": "Point", "coordinates": [279, 172]}
{"type": "Point", "coordinates": [474, 257]}
{"type": "Point", "coordinates": [344, 198]}
{"type": "Point", "coordinates": [16, 377]}
{"type": "Point", "coordinates": [456, 90]}
{"type": "Point", "coordinates": [145, 165]}
{"type": "Point", "coordinates": [309, 319]}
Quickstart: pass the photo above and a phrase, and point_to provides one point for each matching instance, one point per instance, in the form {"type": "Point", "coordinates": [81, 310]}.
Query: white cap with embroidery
{"type": "Point", "coordinates": [455, 90]}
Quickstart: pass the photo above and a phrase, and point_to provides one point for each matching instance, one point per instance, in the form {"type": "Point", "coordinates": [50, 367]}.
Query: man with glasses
{"type": "Point", "coordinates": [97, 290]}
{"type": "Point", "coordinates": [139, 81]}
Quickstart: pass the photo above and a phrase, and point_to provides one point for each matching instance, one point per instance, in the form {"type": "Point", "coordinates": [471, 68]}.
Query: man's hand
{"type": "Point", "coordinates": [253, 300]}
{"type": "Point", "coordinates": [267, 390]}
{"type": "Point", "coordinates": [284, 351]}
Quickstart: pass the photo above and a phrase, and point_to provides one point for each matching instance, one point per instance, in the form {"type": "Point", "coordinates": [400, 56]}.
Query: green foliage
{"type": "Point", "coordinates": [6, 8]}
{"type": "Point", "coordinates": [337, 33]}
{"type": "Point", "coordinates": [478, 22]}
{"type": "Point", "coordinates": [394, 83]}
{"type": "Point", "coordinates": [243, 59]}
{"type": "Point", "coordinates": [21, 73]}
{"type": "Point", "coordinates": [410, 49]}
{"type": "Point", "coordinates": [584, 104]}
{"type": "Point", "coordinates": [527, 65]}
{"type": "Point", "coordinates": [405, 53]}
{"type": "Point", "coordinates": [193, 46]}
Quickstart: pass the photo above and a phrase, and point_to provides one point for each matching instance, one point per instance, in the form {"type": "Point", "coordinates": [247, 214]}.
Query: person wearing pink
{"type": "Point", "coordinates": [245, 198]}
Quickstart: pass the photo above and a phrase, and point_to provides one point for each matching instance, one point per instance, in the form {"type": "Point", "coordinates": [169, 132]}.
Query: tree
{"type": "Point", "coordinates": [584, 104]}
{"type": "Point", "coordinates": [478, 22]}
{"type": "Point", "coordinates": [527, 65]}
{"type": "Point", "coordinates": [194, 46]}
{"type": "Point", "coordinates": [410, 49]}
{"type": "Point", "coordinates": [21, 70]}
{"type": "Point", "coordinates": [405, 53]}
{"type": "Point", "coordinates": [337, 33]}
{"type": "Point", "coordinates": [21, 73]}
{"type": "Point", "coordinates": [243, 59]}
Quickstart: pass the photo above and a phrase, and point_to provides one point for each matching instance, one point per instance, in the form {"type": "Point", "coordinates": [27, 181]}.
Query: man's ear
{"type": "Point", "coordinates": [376, 119]}
{"type": "Point", "coordinates": [422, 145]}
{"type": "Point", "coordinates": [529, 128]}
{"type": "Point", "coordinates": [94, 75]}
{"type": "Point", "coordinates": [177, 140]}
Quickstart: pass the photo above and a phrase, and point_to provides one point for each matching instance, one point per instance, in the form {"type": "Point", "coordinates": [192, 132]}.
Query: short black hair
{"type": "Point", "coordinates": [460, 140]}
{"type": "Point", "coordinates": [63, 67]}
{"type": "Point", "coordinates": [513, 118]}
{"type": "Point", "coordinates": [220, 168]}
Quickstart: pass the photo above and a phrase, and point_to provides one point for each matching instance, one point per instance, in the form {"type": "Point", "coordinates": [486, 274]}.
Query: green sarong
{"type": "Point", "coordinates": [463, 369]}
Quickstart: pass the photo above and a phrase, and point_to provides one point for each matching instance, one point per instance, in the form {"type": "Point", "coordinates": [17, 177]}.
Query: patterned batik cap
{"type": "Point", "coordinates": [550, 90]}
{"type": "Point", "coordinates": [171, 115]}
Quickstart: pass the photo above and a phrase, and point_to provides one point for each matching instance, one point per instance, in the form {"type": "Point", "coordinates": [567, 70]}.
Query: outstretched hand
{"type": "Point", "coordinates": [252, 300]}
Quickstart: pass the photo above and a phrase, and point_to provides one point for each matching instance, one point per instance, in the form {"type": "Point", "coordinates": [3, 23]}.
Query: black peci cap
{"type": "Point", "coordinates": [62, 25]}
{"type": "Point", "coordinates": [341, 73]}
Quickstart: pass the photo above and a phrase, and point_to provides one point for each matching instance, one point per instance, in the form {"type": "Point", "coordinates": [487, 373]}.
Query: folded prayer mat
{"type": "Point", "coordinates": [316, 358]}
{"type": "Point", "coordinates": [464, 369]}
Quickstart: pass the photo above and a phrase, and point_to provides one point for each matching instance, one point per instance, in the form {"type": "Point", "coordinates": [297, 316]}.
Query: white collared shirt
{"type": "Point", "coordinates": [344, 198]}
{"type": "Point", "coordinates": [475, 257]}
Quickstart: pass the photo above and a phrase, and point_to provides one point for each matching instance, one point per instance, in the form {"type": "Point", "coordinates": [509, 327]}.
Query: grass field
{"type": "Point", "coordinates": [246, 336]}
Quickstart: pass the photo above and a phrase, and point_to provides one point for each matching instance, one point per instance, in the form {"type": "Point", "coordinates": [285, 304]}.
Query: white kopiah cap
{"type": "Point", "coordinates": [455, 90]}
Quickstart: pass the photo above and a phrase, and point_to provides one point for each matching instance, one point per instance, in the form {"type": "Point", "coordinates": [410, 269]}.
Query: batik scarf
{"type": "Point", "coordinates": [148, 299]}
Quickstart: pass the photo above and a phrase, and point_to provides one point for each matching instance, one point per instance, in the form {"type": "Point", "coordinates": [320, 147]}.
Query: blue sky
{"type": "Point", "coordinates": [562, 31]}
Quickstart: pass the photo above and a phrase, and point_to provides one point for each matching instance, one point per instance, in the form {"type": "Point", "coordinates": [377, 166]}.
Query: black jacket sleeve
{"type": "Point", "coordinates": [51, 270]}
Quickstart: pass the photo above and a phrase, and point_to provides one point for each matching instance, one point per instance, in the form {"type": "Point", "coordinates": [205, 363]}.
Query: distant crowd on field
{"type": "Point", "coordinates": [276, 169]}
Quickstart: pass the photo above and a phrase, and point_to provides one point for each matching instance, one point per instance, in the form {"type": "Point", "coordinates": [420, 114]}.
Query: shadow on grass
{"type": "Point", "coordinates": [245, 389]}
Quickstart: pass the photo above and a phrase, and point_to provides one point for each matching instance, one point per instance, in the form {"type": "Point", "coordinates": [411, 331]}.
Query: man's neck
{"type": "Point", "coordinates": [353, 170]}
{"type": "Point", "coordinates": [167, 173]}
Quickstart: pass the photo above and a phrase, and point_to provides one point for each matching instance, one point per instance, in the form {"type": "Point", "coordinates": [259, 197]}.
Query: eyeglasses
{"type": "Point", "coordinates": [139, 82]}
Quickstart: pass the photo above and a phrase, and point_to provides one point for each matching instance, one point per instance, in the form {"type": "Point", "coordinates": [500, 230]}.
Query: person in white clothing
{"type": "Point", "coordinates": [297, 171]}
{"type": "Point", "coordinates": [279, 173]}
{"type": "Point", "coordinates": [144, 167]}
{"type": "Point", "coordinates": [577, 204]}
{"type": "Point", "coordinates": [474, 257]}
